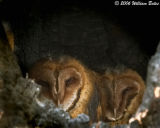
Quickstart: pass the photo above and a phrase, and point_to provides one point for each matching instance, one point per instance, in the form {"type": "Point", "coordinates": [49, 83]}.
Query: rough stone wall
{"type": "Point", "coordinates": [21, 107]}
{"type": "Point", "coordinates": [82, 33]}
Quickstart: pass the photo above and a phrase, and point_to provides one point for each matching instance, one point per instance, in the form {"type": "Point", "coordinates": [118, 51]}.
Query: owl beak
{"type": "Point", "coordinates": [115, 112]}
{"type": "Point", "coordinates": [113, 116]}
{"type": "Point", "coordinates": [58, 103]}
{"type": "Point", "coordinates": [55, 90]}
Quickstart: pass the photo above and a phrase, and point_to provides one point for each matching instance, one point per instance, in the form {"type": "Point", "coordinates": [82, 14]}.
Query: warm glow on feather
{"type": "Point", "coordinates": [1, 114]}
{"type": "Point", "coordinates": [157, 92]}
{"type": "Point", "coordinates": [139, 116]}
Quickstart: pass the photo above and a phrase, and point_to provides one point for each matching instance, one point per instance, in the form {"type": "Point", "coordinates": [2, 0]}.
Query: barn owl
{"type": "Point", "coordinates": [120, 95]}
{"type": "Point", "coordinates": [69, 84]}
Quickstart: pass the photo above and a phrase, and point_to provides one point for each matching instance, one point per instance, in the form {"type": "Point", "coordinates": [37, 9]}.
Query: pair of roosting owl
{"type": "Point", "coordinates": [110, 97]}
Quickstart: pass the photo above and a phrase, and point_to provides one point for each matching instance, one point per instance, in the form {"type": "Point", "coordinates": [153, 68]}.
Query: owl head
{"type": "Point", "coordinates": [65, 81]}
{"type": "Point", "coordinates": [121, 94]}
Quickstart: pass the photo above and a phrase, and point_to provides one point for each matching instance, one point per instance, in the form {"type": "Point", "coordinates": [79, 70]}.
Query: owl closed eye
{"type": "Point", "coordinates": [123, 93]}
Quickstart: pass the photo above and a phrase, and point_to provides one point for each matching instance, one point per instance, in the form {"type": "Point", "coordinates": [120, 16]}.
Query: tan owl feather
{"type": "Point", "coordinates": [121, 94]}
{"type": "Point", "coordinates": [69, 84]}
{"type": "Point", "coordinates": [9, 34]}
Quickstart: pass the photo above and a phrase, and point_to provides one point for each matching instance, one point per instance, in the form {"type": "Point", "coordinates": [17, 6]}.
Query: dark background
{"type": "Point", "coordinates": [99, 34]}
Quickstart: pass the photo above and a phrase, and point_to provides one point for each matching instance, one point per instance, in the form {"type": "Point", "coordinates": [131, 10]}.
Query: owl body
{"type": "Point", "coordinates": [69, 84]}
{"type": "Point", "coordinates": [123, 92]}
